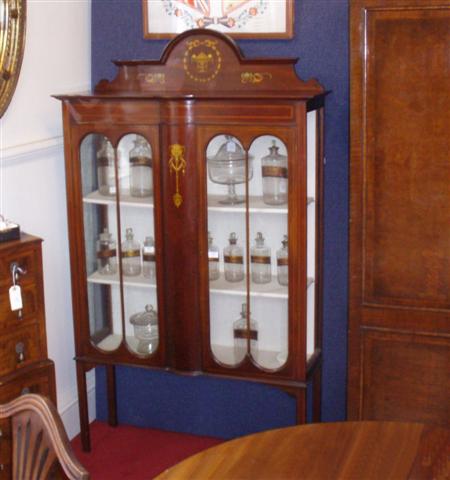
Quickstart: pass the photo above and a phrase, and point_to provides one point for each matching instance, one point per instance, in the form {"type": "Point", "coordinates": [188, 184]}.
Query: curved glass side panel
{"type": "Point", "coordinates": [137, 247]}
{"type": "Point", "coordinates": [268, 250]}
{"type": "Point", "coordinates": [227, 174]}
{"type": "Point", "coordinates": [97, 159]}
{"type": "Point", "coordinates": [311, 166]}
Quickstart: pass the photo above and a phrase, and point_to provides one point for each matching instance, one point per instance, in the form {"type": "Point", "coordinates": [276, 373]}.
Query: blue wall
{"type": "Point", "coordinates": [229, 408]}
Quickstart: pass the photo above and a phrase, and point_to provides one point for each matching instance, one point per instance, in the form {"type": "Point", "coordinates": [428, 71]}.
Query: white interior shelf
{"type": "Point", "coordinates": [269, 290]}
{"type": "Point", "coordinates": [265, 358]}
{"type": "Point", "coordinates": [126, 200]}
{"type": "Point", "coordinates": [113, 341]}
{"type": "Point", "coordinates": [256, 205]}
{"type": "Point", "coordinates": [138, 281]}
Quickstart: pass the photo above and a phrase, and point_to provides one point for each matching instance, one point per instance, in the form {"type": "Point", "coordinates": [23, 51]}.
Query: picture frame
{"type": "Point", "coordinates": [252, 19]}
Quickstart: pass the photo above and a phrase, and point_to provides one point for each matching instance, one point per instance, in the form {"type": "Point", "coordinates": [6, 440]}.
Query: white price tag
{"type": "Point", "coordinates": [15, 298]}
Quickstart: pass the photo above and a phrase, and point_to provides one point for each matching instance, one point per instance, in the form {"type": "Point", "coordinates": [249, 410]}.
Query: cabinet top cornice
{"type": "Point", "coordinates": [206, 64]}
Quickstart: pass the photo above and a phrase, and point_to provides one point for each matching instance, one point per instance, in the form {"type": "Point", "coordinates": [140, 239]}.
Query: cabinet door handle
{"type": "Point", "coordinates": [20, 351]}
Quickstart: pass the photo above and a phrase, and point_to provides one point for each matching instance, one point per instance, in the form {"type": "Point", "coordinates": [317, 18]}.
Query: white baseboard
{"type": "Point", "coordinates": [70, 415]}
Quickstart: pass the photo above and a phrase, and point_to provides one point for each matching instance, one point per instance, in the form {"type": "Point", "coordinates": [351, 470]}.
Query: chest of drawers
{"type": "Point", "coordinates": [24, 366]}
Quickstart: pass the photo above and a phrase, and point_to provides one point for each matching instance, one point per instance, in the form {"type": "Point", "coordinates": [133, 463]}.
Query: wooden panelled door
{"type": "Point", "coordinates": [399, 325]}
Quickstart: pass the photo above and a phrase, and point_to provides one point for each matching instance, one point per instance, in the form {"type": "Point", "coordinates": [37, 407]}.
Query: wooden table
{"type": "Point", "coordinates": [326, 451]}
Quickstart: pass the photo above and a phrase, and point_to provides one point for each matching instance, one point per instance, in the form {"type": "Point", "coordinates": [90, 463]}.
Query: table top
{"type": "Point", "coordinates": [345, 450]}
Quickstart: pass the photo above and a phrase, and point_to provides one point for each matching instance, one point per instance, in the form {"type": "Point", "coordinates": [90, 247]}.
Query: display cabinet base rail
{"type": "Point", "coordinates": [296, 389]}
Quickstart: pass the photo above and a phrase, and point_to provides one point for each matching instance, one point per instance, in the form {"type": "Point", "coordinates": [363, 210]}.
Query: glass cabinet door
{"type": "Point", "coordinates": [247, 224]}
{"type": "Point", "coordinates": [248, 221]}
{"type": "Point", "coordinates": [119, 239]}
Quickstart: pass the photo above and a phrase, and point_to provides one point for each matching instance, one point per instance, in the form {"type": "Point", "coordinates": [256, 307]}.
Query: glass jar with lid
{"type": "Point", "coordinates": [213, 259]}
{"type": "Point", "coordinates": [245, 332]}
{"type": "Point", "coordinates": [275, 176]}
{"type": "Point", "coordinates": [131, 255]}
{"type": "Point", "coordinates": [106, 254]}
{"type": "Point", "coordinates": [282, 262]}
{"type": "Point", "coordinates": [148, 258]}
{"type": "Point", "coordinates": [228, 167]}
{"type": "Point", "coordinates": [141, 171]}
{"type": "Point", "coordinates": [106, 175]}
{"type": "Point", "coordinates": [145, 326]}
{"type": "Point", "coordinates": [233, 258]}
{"type": "Point", "coordinates": [260, 260]}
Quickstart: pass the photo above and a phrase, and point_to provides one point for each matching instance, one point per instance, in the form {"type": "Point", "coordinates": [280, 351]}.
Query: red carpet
{"type": "Point", "coordinates": [132, 453]}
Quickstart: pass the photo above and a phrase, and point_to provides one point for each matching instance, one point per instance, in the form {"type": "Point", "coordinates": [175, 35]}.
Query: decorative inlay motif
{"type": "Point", "coordinates": [177, 164]}
{"type": "Point", "coordinates": [202, 60]}
{"type": "Point", "coordinates": [153, 78]}
{"type": "Point", "coordinates": [255, 77]}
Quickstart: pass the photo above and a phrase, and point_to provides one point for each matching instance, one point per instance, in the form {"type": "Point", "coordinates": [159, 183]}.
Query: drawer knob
{"type": "Point", "coordinates": [20, 351]}
{"type": "Point", "coordinates": [25, 390]}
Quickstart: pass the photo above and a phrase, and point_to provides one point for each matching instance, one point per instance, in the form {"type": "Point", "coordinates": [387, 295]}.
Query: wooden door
{"type": "Point", "coordinates": [399, 325]}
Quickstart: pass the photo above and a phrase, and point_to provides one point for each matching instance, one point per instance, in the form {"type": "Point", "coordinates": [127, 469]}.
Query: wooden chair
{"type": "Point", "coordinates": [41, 448]}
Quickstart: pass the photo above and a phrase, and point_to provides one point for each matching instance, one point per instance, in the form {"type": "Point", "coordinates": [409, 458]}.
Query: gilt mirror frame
{"type": "Point", "coordinates": [12, 42]}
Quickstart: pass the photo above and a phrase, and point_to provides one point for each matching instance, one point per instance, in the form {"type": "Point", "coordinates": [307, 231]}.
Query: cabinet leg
{"type": "Point", "coordinates": [112, 399]}
{"type": "Point", "coordinates": [83, 408]}
{"type": "Point", "coordinates": [317, 394]}
{"type": "Point", "coordinates": [300, 396]}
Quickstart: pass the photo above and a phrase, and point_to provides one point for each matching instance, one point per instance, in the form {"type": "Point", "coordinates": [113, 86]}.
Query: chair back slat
{"type": "Point", "coordinates": [41, 449]}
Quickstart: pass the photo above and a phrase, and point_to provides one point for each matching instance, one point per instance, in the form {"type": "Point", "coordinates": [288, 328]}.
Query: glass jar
{"type": "Point", "coordinates": [141, 171]}
{"type": "Point", "coordinates": [145, 326]}
{"type": "Point", "coordinates": [233, 258]}
{"type": "Point", "coordinates": [131, 255]}
{"type": "Point", "coordinates": [260, 260]}
{"type": "Point", "coordinates": [106, 174]}
{"type": "Point", "coordinates": [275, 177]}
{"type": "Point", "coordinates": [242, 334]}
{"type": "Point", "coordinates": [227, 167]}
{"type": "Point", "coordinates": [282, 262]}
{"type": "Point", "coordinates": [106, 254]}
{"type": "Point", "coordinates": [213, 259]}
{"type": "Point", "coordinates": [148, 258]}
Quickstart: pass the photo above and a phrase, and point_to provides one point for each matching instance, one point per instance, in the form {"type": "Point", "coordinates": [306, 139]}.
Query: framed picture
{"type": "Point", "coordinates": [237, 18]}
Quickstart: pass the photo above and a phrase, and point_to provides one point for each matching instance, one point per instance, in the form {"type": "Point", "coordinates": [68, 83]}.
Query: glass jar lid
{"type": "Point", "coordinates": [229, 151]}
{"type": "Point", "coordinates": [149, 317]}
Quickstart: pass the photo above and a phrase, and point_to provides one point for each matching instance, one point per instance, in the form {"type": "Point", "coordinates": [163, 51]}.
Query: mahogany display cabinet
{"type": "Point", "coordinates": [202, 143]}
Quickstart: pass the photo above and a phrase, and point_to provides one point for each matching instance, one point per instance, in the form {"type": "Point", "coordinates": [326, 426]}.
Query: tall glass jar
{"type": "Point", "coordinates": [141, 172]}
{"type": "Point", "coordinates": [244, 331]}
{"type": "Point", "coordinates": [282, 262]}
{"type": "Point", "coordinates": [260, 260]}
{"type": "Point", "coordinates": [131, 255]}
{"type": "Point", "coordinates": [106, 254]}
{"type": "Point", "coordinates": [213, 259]}
{"type": "Point", "coordinates": [148, 258]}
{"type": "Point", "coordinates": [275, 177]}
{"type": "Point", "coordinates": [106, 174]}
{"type": "Point", "coordinates": [233, 258]}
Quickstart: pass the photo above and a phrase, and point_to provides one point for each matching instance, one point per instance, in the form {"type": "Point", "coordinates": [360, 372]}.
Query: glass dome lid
{"type": "Point", "coordinates": [229, 151]}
